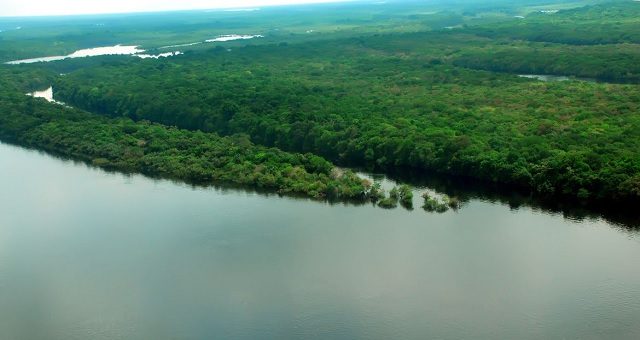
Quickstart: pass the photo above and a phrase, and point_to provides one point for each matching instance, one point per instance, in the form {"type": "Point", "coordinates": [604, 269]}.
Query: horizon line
{"type": "Point", "coordinates": [221, 9]}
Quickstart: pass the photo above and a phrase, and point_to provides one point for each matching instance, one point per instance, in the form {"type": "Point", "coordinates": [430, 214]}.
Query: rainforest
{"type": "Point", "coordinates": [319, 169]}
{"type": "Point", "coordinates": [456, 91]}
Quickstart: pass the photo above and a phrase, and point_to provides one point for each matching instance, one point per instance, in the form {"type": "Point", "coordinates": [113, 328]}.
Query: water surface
{"type": "Point", "coordinates": [220, 38]}
{"type": "Point", "coordinates": [89, 52]}
{"type": "Point", "coordinates": [89, 254]}
{"type": "Point", "coordinates": [98, 51]}
{"type": "Point", "coordinates": [549, 77]}
{"type": "Point", "coordinates": [231, 37]}
{"type": "Point", "coordinates": [159, 55]}
{"type": "Point", "coordinates": [46, 94]}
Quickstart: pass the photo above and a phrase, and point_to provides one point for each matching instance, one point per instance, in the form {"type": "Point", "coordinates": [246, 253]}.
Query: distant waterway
{"type": "Point", "coordinates": [549, 77]}
{"type": "Point", "coordinates": [46, 94]}
{"type": "Point", "coordinates": [220, 38]}
{"type": "Point", "coordinates": [131, 50]}
{"type": "Point", "coordinates": [97, 51]}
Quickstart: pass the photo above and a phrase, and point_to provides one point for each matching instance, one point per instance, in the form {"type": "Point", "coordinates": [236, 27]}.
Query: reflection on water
{"type": "Point", "coordinates": [90, 254]}
{"type": "Point", "coordinates": [387, 184]}
{"type": "Point", "coordinates": [468, 189]}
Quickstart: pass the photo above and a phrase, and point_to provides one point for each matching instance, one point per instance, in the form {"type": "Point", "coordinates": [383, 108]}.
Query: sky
{"type": "Point", "coordinates": [66, 7]}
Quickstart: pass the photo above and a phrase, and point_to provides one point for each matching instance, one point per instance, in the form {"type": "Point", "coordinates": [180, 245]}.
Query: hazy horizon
{"type": "Point", "coordinates": [25, 8]}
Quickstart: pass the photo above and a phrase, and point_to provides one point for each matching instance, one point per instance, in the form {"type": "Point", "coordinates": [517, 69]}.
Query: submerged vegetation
{"type": "Point", "coordinates": [432, 204]}
{"type": "Point", "coordinates": [406, 196]}
{"type": "Point", "coordinates": [440, 93]}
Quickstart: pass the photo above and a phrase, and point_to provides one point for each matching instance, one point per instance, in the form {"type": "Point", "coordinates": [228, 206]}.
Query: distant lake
{"type": "Point", "coordinates": [90, 254]}
{"type": "Point", "coordinates": [549, 77]}
{"type": "Point", "coordinates": [220, 38]}
{"type": "Point", "coordinates": [232, 37]}
{"type": "Point", "coordinates": [98, 51]}
{"type": "Point", "coordinates": [131, 50]}
{"type": "Point", "coordinates": [46, 94]}
{"type": "Point", "coordinates": [90, 52]}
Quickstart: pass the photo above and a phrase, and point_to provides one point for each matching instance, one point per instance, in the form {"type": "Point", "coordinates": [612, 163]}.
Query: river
{"type": "Point", "coordinates": [87, 254]}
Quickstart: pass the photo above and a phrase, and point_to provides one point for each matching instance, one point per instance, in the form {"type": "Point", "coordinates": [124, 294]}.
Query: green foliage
{"type": "Point", "coordinates": [394, 194]}
{"type": "Point", "coordinates": [406, 196]}
{"type": "Point", "coordinates": [358, 103]}
{"type": "Point", "coordinates": [616, 63]}
{"type": "Point", "coordinates": [391, 201]}
{"type": "Point", "coordinates": [417, 97]}
{"type": "Point", "coordinates": [376, 192]}
{"type": "Point", "coordinates": [431, 204]}
{"type": "Point", "coordinates": [388, 203]}
{"type": "Point", "coordinates": [453, 202]}
{"type": "Point", "coordinates": [611, 22]}
{"type": "Point", "coordinates": [63, 35]}
{"type": "Point", "coordinates": [156, 150]}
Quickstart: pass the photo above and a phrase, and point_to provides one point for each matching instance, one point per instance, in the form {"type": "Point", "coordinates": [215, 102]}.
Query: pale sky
{"type": "Point", "coordinates": [63, 7]}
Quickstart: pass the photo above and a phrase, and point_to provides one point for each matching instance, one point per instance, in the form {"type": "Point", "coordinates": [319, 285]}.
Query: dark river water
{"type": "Point", "coordinates": [86, 254]}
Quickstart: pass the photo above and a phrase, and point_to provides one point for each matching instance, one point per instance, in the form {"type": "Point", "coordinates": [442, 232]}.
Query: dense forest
{"type": "Point", "coordinates": [609, 63]}
{"type": "Point", "coordinates": [383, 111]}
{"type": "Point", "coordinates": [156, 150]}
{"type": "Point", "coordinates": [607, 23]}
{"type": "Point", "coordinates": [425, 98]}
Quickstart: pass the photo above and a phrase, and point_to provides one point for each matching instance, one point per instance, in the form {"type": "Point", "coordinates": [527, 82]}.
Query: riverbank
{"type": "Point", "coordinates": [156, 150]}
{"type": "Point", "coordinates": [164, 152]}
